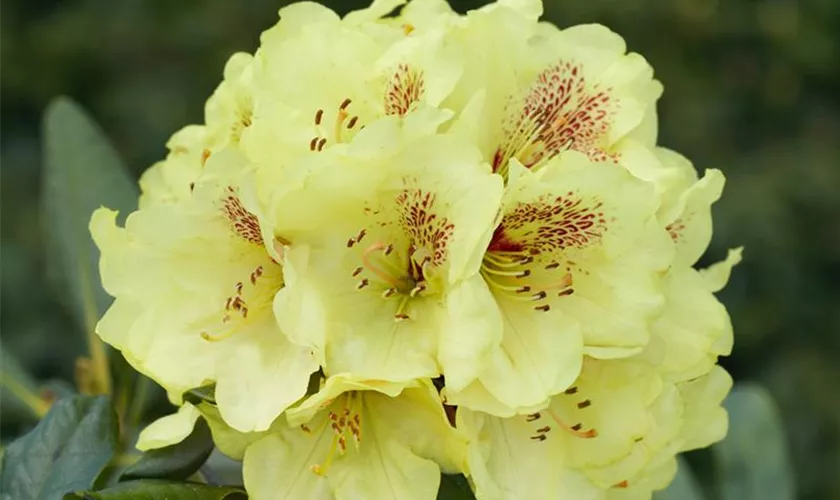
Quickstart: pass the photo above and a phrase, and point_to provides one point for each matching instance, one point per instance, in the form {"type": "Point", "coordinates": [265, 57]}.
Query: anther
{"type": "Point", "coordinates": [305, 428]}
{"type": "Point", "coordinates": [524, 274]}
{"type": "Point", "coordinates": [532, 417]}
{"type": "Point", "coordinates": [358, 271]}
{"type": "Point", "coordinates": [539, 437]}
{"type": "Point", "coordinates": [313, 144]}
{"type": "Point", "coordinates": [401, 317]}
{"type": "Point", "coordinates": [321, 143]}
{"type": "Point", "coordinates": [544, 429]}
{"type": "Point", "coordinates": [388, 249]}
{"type": "Point", "coordinates": [318, 116]}
{"type": "Point", "coordinates": [524, 289]}
{"type": "Point", "coordinates": [539, 295]}
{"type": "Point", "coordinates": [361, 235]}
{"type": "Point", "coordinates": [389, 292]}
{"type": "Point", "coordinates": [543, 308]}
{"type": "Point", "coordinates": [571, 390]}
{"type": "Point", "coordinates": [362, 284]}
{"type": "Point", "coordinates": [417, 289]}
{"type": "Point", "coordinates": [352, 122]}
{"type": "Point", "coordinates": [351, 242]}
{"type": "Point", "coordinates": [553, 265]}
{"type": "Point", "coordinates": [583, 404]}
{"type": "Point", "coordinates": [345, 103]}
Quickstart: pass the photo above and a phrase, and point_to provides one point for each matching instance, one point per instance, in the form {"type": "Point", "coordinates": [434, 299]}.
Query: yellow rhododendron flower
{"type": "Point", "coordinates": [574, 265]}
{"type": "Point", "coordinates": [462, 225]}
{"type": "Point", "coordinates": [613, 434]}
{"type": "Point", "coordinates": [399, 285]}
{"type": "Point", "coordinates": [194, 283]}
{"type": "Point", "coordinates": [694, 328]}
{"type": "Point", "coordinates": [357, 439]}
{"type": "Point", "coordinates": [530, 91]}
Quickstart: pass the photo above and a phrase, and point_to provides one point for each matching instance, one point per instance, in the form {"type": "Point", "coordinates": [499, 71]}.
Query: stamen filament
{"type": "Point", "coordinates": [573, 430]}
{"type": "Point", "coordinates": [374, 268]}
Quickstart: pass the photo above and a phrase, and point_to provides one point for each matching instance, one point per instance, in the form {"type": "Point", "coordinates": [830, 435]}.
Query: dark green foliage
{"type": "Point", "coordinates": [151, 489]}
{"type": "Point", "coordinates": [454, 487]}
{"type": "Point", "coordinates": [178, 461]}
{"type": "Point", "coordinates": [66, 451]}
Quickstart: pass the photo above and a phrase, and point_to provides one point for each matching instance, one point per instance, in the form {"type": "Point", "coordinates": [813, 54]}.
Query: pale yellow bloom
{"type": "Point", "coordinates": [357, 439]}
{"type": "Point", "coordinates": [530, 91]}
{"type": "Point", "coordinates": [613, 434]}
{"type": "Point", "coordinates": [322, 79]}
{"type": "Point", "coordinates": [580, 430]}
{"type": "Point", "coordinates": [694, 328]}
{"type": "Point", "coordinates": [194, 283]}
{"type": "Point", "coordinates": [574, 265]}
{"type": "Point", "coordinates": [394, 291]}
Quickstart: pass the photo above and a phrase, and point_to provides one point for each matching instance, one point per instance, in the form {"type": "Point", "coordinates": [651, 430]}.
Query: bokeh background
{"type": "Point", "coordinates": [751, 87]}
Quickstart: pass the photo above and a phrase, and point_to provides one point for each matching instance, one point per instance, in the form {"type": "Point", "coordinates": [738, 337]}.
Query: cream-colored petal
{"type": "Point", "coordinates": [261, 378]}
{"type": "Point", "coordinates": [506, 462]}
{"type": "Point", "coordinates": [168, 430]}
{"type": "Point", "coordinates": [384, 468]}
{"type": "Point", "coordinates": [470, 330]}
{"type": "Point", "coordinates": [427, 432]}
{"type": "Point", "coordinates": [540, 355]}
{"type": "Point", "coordinates": [277, 467]}
{"type": "Point", "coordinates": [717, 275]}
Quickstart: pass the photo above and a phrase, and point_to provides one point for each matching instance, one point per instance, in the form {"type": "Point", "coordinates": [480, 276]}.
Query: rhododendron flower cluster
{"type": "Point", "coordinates": [409, 242]}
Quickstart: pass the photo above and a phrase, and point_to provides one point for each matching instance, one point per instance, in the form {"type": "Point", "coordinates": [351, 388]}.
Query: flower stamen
{"type": "Point", "coordinates": [342, 421]}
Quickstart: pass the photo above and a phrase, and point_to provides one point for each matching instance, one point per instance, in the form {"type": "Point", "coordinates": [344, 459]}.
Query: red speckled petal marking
{"type": "Point", "coordinates": [422, 225]}
{"type": "Point", "coordinates": [675, 229]}
{"type": "Point", "coordinates": [550, 224]}
{"type": "Point", "coordinates": [242, 222]}
{"type": "Point", "coordinates": [403, 91]}
{"type": "Point", "coordinates": [560, 112]}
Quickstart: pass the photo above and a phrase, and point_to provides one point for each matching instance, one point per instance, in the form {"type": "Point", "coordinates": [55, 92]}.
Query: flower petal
{"type": "Point", "coordinates": [470, 330]}
{"type": "Point", "coordinates": [168, 430]}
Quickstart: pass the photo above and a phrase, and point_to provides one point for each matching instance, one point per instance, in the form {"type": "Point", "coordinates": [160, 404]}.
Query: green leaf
{"type": "Point", "coordinates": [19, 392]}
{"type": "Point", "coordinates": [82, 172]}
{"type": "Point", "coordinates": [752, 461]}
{"type": "Point", "coordinates": [683, 487]}
{"type": "Point", "coordinates": [66, 451]}
{"type": "Point", "coordinates": [178, 461]}
{"type": "Point", "coordinates": [454, 487]}
{"type": "Point", "coordinates": [155, 489]}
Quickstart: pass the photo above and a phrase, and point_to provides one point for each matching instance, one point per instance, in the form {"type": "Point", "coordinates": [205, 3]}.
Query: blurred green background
{"type": "Point", "coordinates": [751, 87]}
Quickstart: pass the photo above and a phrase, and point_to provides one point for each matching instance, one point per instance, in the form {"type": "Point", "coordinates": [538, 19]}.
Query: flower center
{"type": "Point", "coordinates": [343, 127]}
{"type": "Point", "coordinates": [576, 430]}
{"type": "Point", "coordinates": [345, 421]}
{"type": "Point", "coordinates": [522, 277]}
{"type": "Point", "coordinates": [252, 295]}
{"type": "Point", "coordinates": [560, 111]}
{"type": "Point", "coordinates": [400, 276]}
